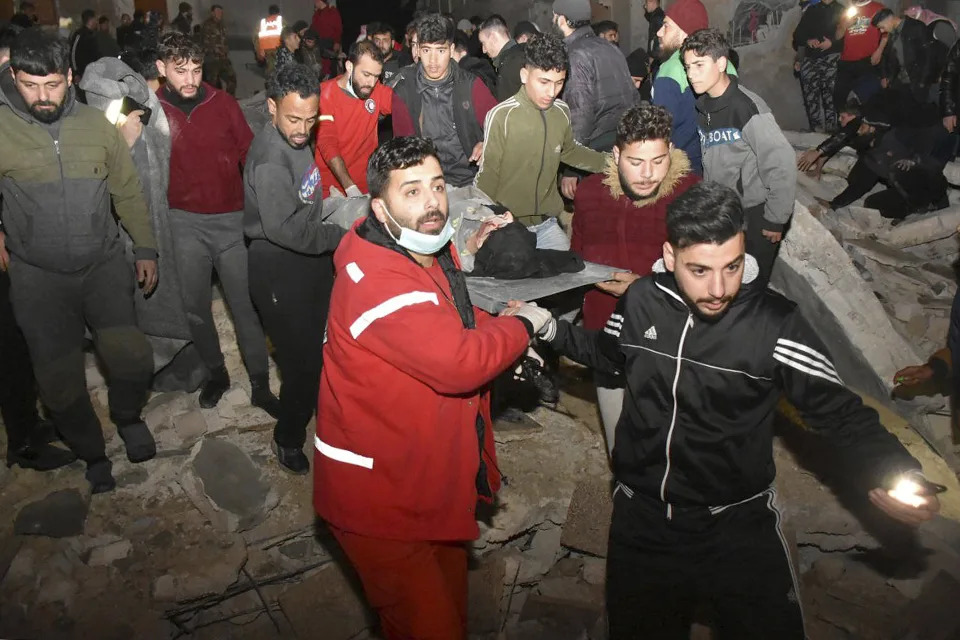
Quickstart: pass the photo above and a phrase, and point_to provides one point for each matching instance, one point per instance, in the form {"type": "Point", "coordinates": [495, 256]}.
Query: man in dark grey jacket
{"type": "Point", "coordinates": [290, 266]}
{"type": "Point", "coordinates": [508, 57]}
{"type": "Point", "coordinates": [599, 89]}
{"type": "Point", "coordinates": [63, 166]}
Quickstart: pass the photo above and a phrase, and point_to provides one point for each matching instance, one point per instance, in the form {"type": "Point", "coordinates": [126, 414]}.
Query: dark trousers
{"type": "Point", "coordinates": [54, 310]}
{"type": "Point", "coordinates": [852, 76]}
{"type": "Point", "coordinates": [219, 72]}
{"type": "Point", "coordinates": [292, 293]}
{"type": "Point", "coordinates": [758, 246]}
{"type": "Point", "coordinates": [202, 243]}
{"type": "Point", "coordinates": [817, 79]}
{"type": "Point", "coordinates": [913, 190]}
{"type": "Point", "coordinates": [733, 563]}
{"type": "Point", "coordinates": [18, 393]}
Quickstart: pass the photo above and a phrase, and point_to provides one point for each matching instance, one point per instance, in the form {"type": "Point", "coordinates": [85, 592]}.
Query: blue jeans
{"type": "Point", "coordinates": [550, 235]}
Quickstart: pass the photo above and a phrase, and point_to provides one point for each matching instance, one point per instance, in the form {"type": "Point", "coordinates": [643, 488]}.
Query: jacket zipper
{"type": "Point", "coordinates": [536, 196]}
{"type": "Point", "coordinates": [673, 419]}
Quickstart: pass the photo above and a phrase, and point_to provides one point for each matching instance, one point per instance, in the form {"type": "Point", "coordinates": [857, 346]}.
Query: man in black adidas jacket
{"type": "Point", "coordinates": [694, 517]}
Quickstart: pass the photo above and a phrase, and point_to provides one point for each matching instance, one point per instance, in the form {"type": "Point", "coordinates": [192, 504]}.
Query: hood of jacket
{"type": "Point", "coordinates": [110, 79]}
{"type": "Point", "coordinates": [10, 97]}
{"type": "Point", "coordinates": [679, 167]}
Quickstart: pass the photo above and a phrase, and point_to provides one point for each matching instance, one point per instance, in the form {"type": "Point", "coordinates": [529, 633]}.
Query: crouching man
{"type": "Point", "coordinates": [404, 446]}
{"type": "Point", "coordinates": [706, 354]}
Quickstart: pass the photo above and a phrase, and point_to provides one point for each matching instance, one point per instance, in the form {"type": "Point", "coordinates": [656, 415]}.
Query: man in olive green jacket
{"type": "Point", "coordinates": [62, 164]}
{"type": "Point", "coordinates": [527, 137]}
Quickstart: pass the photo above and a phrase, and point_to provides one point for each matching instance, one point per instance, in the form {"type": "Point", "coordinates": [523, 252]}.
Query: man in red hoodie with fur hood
{"type": "Point", "coordinates": [620, 219]}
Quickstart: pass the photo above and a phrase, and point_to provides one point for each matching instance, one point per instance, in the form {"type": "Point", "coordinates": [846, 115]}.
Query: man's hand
{"type": "Point", "coordinates": [353, 191]}
{"type": "Point", "coordinates": [773, 236]}
{"type": "Point", "coordinates": [917, 374]}
{"type": "Point", "coordinates": [905, 513]}
{"type": "Point", "coordinates": [825, 44]}
{"type": "Point", "coordinates": [477, 152]}
{"type": "Point", "coordinates": [488, 226]}
{"type": "Point", "coordinates": [950, 123]}
{"type": "Point", "coordinates": [807, 159]}
{"type": "Point", "coordinates": [540, 319]}
{"type": "Point", "coordinates": [905, 164]}
{"type": "Point", "coordinates": [147, 275]}
{"type": "Point", "coordinates": [132, 127]}
{"type": "Point", "coordinates": [876, 56]}
{"type": "Point", "coordinates": [568, 187]}
{"type": "Point", "coordinates": [796, 66]}
{"type": "Point", "coordinates": [884, 83]}
{"type": "Point", "coordinates": [4, 256]}
{"type": "Point", "coordinates": [617, 285]}
{"type": "Point", "coordinates": [813, 43]}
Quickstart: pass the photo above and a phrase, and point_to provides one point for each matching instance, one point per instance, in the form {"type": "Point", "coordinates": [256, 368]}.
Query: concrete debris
{"type": "Point", "coordinates": [486, 592]}
{"type": "Point", "coordinates": [207, 570]}
{"type": "Point", "coordinates": [190, 426]}
{"type": "Point", "coordinates": [588, 520]}
{"type": "Point", "coordinates": [59, 515]}
{"type": "Point", "coordinates": [211, 478]}
{"type": "Point", "coordinates": [542, 555]}
{"type": "Point", "coordinates": [110, 553]}
{"type": "Point", "coordinates": [594, 571]}
{"type": "Point", "coordinates": [327, 603]}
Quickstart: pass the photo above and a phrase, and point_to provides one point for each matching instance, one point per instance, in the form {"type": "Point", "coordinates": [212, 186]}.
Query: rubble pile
{"type": "Point", "coordinates": [210, 540]}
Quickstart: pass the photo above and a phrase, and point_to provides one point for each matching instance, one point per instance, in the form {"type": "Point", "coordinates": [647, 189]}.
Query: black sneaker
{"type": "Point", "coordinates": [214, 388]}
{"type": "Point", "coordinates": [532, 371]}
{"type": "Point", "coordinates": [40, 457]}
{"type": "Point", "coordinates": [138, 441]}
{"type": "Point", "coordinates": [99, 475]}
{"type": "Point", "coordinates": [292, 459]}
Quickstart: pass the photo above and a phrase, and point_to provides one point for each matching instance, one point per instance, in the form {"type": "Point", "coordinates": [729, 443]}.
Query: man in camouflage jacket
{"type": "Point", "coordinates": [217, 68]}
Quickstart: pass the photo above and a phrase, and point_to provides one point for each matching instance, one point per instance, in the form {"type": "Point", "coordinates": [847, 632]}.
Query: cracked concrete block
{"type": "Point", "coordinates": [226, 486]}
{"type": "Point", "coordinates": [588, 520]}
{"type": "Point", "coordinates": [60, 514]}
{"type": "Point", "coordinates": [190, 426]}
{"type": "Point", "coordinates": [542, 555]}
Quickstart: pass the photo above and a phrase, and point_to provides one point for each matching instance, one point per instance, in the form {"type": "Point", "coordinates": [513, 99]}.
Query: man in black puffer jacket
{"type": "Point", "coordinates": [707, 356]}
{"type": "Point", "coordinates": [908, 59]}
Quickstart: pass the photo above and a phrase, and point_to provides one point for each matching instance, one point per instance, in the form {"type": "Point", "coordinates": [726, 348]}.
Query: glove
{"type": "Point", "coordinates": [353, 191]}
{"type": "Point", "coordinates": [537, 317]}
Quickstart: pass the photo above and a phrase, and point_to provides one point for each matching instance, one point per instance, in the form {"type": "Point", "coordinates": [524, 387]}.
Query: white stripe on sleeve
{"type": "Point", "coordinates": [387, 307]}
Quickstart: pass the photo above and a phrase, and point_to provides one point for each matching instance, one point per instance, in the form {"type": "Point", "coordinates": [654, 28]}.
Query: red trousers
{"type": "Point", "coordinates": [419, 589]}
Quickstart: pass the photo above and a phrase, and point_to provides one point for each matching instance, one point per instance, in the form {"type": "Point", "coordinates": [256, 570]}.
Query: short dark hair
{"type": "Point", "coordinates": [293, 78]}
{"type": "Point", "coordinates": [376, 28]}
{"type": "Point", "coordinates": [214, 7]}
{"type": "Point", "coordinates": [880, 16]}
{"type": "Point", "coordinates": [104, 20]}
{"type": "Point", "coordinates": [644, 122]}
{"type": "Point", "coordinates": [525, 27]}
{"type": "Point", "coordinates": [39, 53]}
{"type": "Point", "coordinates": [179, 47]}
{"type": "Point", "coordinates": [434, 28]}
{"type": "Point", "coordinates": [706, 42]}
{"type": "Point", "coordinates": [8, 35]}
{"type": "Point", "coordinates": [143, 61]}
{"type": "Point", "coordinates": [365, 48]}
{"type": "Point", "coordinates": [604, 26]}
{"type": "Point", "coordinates": [476, 20]}
{"type": "Point", "coordinates": [575, 24]}
{"type": "Point", "coordinates": [87, 15]}
{"type": "Point", "coordinates": [395, 155]}
{"type": "Point", "coordinates": [461, 42]}
{"type": "Point", "coordinates": [273, 10]}
{"type": "Point", "coordinates": [546, 52]}
{"type": "Point", "coordinates": [707, 213]}
{"type": "Point", "coordinates": [495, 23]}
{"type": "Point", "coordinates": [184, 6]}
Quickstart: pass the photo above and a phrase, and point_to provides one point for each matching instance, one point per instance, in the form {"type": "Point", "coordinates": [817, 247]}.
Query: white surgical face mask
{"type": "Point", "coordinates": [421, 243]}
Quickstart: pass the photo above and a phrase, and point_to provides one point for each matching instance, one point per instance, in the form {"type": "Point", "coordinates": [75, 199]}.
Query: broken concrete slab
{"type": "Point", "coordinates": [815, 271]}
{"type": "Point", "coordinates": [923, 229]}
{"type": "Point", "coordinates": [190, 426]}
{"type": "Point", "coordinates": [485, 590]}
{"type": "Point", "coordinates": [110, 553]}
{"type": "Point", "coordinates": [588, 520]}
{"type": "Point", "coordinates": [594, 571]}
{"type": "Point", "coordinates": [329, 603]}
{"type": "Point", "coordinates": [226, 486]}
{"type": "Point", "coordinates": [543, 553]}
{"type": "Point", "coordinates": [60, 514]}
{"type": "Point", "coordinates": [206, 570]}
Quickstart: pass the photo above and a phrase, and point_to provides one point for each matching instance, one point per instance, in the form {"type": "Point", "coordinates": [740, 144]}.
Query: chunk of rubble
{"type": "Point", "coordinates": [588, 520]}
{"type": "Point", "coordinates": [328, 604]}
{"type": "Point", "coordinates": [60, 514]}
{"type": "Point", "coordinates": [226, 486]}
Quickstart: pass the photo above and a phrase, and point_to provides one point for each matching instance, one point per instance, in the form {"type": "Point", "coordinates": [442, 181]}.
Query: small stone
{"type": "Point", "coordinates": [236, 398]}
{"type": "Point", "coordinates": [165, 589]}
{"type": "Point", "coordinates": [190, 426]}
{"type": "Point", "coordinates": [59, 515]}
{"type": "Point", "coordinates": [594, 571]}
{"type": "Point", "coordinates": [103, 556]}
{"type": "Point", "coordinates": [297, 550]}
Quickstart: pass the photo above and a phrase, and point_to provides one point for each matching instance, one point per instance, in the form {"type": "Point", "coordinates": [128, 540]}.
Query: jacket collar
{"type": "Point", "coordinates": [667, 283]}
{"type": "Point", "coordinates": [706, 104]}
{"type": "Point", "coordinates": [679, 168]}
{"type": "Point", "coordinates": [582, 32]}
{"type": "Point", "coordinates": [424, 83]}
{"type": "Point", "coordinates": [511, 43]}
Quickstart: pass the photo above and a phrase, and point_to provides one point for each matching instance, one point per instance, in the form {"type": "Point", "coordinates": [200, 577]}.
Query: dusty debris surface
{"type": "Point", "coordinates": [211, 540]}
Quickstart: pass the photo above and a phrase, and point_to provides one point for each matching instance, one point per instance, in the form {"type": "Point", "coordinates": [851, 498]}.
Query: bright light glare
{"type": "Point", "coordinates": [113, 111]}
{"type": "Point", "coordinates": [908, 492]}
{"type": "Point", "coordinates": [852, 11]}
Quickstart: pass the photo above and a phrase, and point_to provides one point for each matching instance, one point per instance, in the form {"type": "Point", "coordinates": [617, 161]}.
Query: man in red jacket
{"type": "Point", "coordinates": [404, 446]}
{"type": "Point", "coordinates": [329, 27]}
{"type": "Point", "coordinates": [620, 219]}
{"type": "Point", "coordinates": [350, 110]}
{"type": "Point", "coordinates": [209, 142]}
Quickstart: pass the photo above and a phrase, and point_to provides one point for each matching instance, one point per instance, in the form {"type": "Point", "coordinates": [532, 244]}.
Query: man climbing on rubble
{"type": "Point", "coordinates": [707, 356]}
{"type": "Point", "coordinates": [401, 463]}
